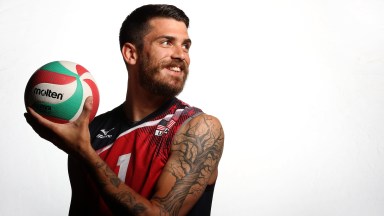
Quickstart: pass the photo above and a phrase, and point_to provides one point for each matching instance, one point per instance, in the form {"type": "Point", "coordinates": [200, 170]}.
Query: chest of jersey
{"type": "Point", "coordinates": [138, 154]}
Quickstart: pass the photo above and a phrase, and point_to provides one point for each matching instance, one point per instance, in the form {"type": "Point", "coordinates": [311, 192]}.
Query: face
{"type": "Point", "coordinates": [164, 60]}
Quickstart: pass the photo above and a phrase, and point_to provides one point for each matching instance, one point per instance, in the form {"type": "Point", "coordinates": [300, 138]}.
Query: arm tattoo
{"type": "Point", "coordinates": [124, 197]}
{"type": "Point", "coordinates": [113, 179]}
{"type": "Point", "coordinates": [199, 150]}
{"type": "Point", "coordinates": [132, 206]}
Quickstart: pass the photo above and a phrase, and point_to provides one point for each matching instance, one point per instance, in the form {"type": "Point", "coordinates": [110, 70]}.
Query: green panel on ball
{"type": "Point", "coordinates": [59, 68]}
{"type": "Point", "coordinates": [65, 110]}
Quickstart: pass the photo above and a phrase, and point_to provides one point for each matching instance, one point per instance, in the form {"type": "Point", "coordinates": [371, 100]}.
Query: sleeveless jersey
{"type": "Point", "coordinates": [137, 152]}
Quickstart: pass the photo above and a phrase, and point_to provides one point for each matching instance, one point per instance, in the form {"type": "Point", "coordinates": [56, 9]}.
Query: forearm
{"type": "Point", "coordinates": [118, 196]}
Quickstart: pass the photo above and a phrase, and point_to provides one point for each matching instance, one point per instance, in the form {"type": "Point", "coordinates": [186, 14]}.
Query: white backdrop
{"type": "Point", "coordinates": [298, 86]}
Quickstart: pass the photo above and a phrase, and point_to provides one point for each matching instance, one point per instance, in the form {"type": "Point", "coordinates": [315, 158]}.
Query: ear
{"type": "Point", "coordinates": [129, 53]}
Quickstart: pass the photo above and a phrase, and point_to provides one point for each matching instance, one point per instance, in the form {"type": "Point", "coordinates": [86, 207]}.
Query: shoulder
{"type": "Point", "coordinates": [203, 130]}
{"type": "Point", "coordinates": [199, 122]}
{"type": "Point", "coordinates": [205, 121]}
{"type": "Point", "coordinates": [188, 110]}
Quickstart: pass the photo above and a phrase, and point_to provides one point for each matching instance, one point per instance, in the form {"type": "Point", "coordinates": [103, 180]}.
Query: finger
{"type": "Point", "coordinates": [37, 118]}
{"type": "Point", "coordinates": [87, 109]}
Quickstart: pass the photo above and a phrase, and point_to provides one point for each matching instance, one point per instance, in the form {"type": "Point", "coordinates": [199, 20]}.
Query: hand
{"type": "Point", "coordinates": [72, 138]}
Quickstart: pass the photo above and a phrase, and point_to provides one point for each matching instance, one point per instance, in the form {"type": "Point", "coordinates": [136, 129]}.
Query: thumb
{"type": "Point", "coordinates": [87, 109]}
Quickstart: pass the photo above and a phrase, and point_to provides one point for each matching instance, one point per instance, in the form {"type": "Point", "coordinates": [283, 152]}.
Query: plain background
{"type": "Point", "coordinates": [298, 86]}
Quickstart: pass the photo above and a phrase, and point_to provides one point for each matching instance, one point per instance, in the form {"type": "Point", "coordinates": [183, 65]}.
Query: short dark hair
{"type": "Point", "coordinates": [135, 25]}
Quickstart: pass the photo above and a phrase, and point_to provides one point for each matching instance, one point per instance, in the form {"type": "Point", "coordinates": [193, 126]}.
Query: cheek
{"type": "Point", "coordinates": [160, 53]}
{"type": "Point", "coordinates": [187, 60]}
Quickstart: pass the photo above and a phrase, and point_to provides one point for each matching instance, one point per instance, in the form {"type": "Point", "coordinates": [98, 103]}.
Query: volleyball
{"type": "Point", "coordinates": [58, 90]}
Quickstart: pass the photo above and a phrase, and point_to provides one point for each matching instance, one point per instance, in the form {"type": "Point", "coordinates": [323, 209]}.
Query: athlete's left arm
{"type": "Point", "coordinates": [195, 154]}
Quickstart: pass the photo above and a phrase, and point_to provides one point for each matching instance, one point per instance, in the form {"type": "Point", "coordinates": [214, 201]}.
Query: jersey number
{"type": "Point", "coordinates": [123, 162]}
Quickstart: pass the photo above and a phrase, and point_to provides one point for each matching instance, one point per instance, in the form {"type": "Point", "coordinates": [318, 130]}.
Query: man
{"type": "Point", "coordinates": [153, 154]}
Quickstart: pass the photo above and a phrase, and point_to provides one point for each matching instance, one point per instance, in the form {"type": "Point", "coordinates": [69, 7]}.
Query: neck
{"type": "Point", "coordinates": [140, 103]}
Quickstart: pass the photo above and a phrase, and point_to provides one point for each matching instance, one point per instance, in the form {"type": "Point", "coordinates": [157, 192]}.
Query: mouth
{"type": "Point", "coordinates": [174, 69]}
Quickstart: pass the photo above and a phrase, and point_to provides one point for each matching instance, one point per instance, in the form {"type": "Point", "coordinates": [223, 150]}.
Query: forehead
{"type": "Point", "coordinates": [167, 27]}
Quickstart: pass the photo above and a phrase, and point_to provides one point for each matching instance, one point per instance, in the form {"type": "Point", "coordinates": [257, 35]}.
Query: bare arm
{"type": "Point", "coordinates": [195, 154]}
{"type": "Point", "coordinates": [196, 151]}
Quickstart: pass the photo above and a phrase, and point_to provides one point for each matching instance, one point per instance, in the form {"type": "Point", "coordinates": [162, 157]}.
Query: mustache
{"type": "Point", "coordinates": [175, 63]}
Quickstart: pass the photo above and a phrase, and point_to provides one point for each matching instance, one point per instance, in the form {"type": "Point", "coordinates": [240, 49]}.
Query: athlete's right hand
{"type": "Point", "coordinates": [72, 138]}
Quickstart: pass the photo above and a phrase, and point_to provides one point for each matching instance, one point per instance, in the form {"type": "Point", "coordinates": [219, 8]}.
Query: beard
{"type": "Point", "coordinates": [152, 80]}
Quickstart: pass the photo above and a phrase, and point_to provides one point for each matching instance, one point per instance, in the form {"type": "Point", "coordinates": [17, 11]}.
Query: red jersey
{"type": "Point", "coordinates": [137, 151]}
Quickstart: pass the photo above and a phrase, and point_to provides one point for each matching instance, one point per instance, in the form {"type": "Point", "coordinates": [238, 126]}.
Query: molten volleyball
{"type": "Point", "coordinates": [58, 90]}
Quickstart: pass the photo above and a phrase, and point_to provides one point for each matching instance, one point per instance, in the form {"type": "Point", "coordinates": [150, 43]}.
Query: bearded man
{"type": "Point", "coordinates": [153, 154]}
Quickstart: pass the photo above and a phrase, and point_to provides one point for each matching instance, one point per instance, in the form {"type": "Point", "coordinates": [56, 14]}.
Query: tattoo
{"type": "Point", "coordinates": [113, 179]}
{"type": "Point", "coordinates": [127, 198]}
{"type": "Point", "coordinates": [134, 208]}
{"type": "Point", "coordinates": [199, 150]}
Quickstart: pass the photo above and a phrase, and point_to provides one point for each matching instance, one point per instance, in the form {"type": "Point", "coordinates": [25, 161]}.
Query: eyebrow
{"type": "Point", "coordinates": [188, 40]}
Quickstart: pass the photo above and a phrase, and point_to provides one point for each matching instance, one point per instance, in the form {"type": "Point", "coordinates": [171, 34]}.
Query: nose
{"type": "Point", "coordinates": [179, 53]}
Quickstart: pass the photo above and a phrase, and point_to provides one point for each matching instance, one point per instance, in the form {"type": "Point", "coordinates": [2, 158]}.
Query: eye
{"type": "Point", "coordinates": [186, 46]}
{"type": "Point", "coordinates": [166, 43]}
